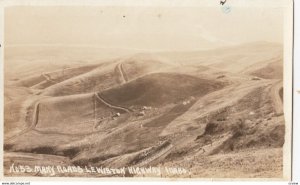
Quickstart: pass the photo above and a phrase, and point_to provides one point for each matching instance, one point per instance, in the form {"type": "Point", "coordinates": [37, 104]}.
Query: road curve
{"type": "Point", "coordinates": [277, 102]}
{"type": "Point", "coordinates": [35, 116]}
{"type": "Point", "coordinates": [124, 75]}
{"type": "Point", "coordinates": [35, 119]}
{"type": "Point", "coordinates": [48, 78]}
{"type": "Point", "coordinates": [124, 78]}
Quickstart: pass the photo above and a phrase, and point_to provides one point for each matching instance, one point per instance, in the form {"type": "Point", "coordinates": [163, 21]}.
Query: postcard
{"type": "Point", "coordinates": [147, 89]}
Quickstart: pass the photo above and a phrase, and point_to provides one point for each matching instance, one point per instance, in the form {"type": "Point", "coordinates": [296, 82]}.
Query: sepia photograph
{"type": "Point", "coordinates": [147, 91]}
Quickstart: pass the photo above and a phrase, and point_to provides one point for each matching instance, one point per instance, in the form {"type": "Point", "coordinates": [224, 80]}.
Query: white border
{"type": "Point", "coordinates": [288, 79]}
{"type": "Point", "coordinates": [296, 119]}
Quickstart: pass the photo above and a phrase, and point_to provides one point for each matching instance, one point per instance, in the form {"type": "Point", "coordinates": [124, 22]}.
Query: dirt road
{"type": "Point", "coordinates": [35, 119]}
{"type": "Point", "coordinates": [156, 156]}
{"type": "Point", "coordinates": [120, 68]}
{"type": "Point", "coordinates": [275, 95]}
{"type": "Point", "coordinates": [48, 78]}
{"type": "Point", "coordinates": [99, 97]}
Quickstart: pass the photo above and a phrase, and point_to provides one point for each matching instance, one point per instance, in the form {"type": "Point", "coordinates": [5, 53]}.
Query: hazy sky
{"type": "Point", "coordinates": [148, 28]}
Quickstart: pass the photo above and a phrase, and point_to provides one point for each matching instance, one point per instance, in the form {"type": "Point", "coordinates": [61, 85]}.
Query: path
{"type": "Point", "coordinates": [277, 102]}
{"type": "Point", "coordinates": [100, 98]}
{"type": "Point", "coordinates": [35, 119]}
{"type": "Point", "coordinates": [124, 77]}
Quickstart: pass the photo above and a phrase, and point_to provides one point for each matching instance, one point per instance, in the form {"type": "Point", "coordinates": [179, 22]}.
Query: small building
{"type": "Point", "coordinates": [146, 108]}
{"type": "Point", "coordinates": [116, 115]}
{"type": "Point", "coordinates": [220, 76]}
{"type": "Point", "coordinates": [186, 102]}
{"type": "Point", "coordinates": [142, 113]}
{"type": "Point", "coordinates": [255, 78]}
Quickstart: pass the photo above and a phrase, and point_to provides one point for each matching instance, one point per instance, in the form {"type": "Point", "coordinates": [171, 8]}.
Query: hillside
{"type": "Point", "coordinates": [215, 113]}
{"type": "Point", "coordinates": [160, 89]}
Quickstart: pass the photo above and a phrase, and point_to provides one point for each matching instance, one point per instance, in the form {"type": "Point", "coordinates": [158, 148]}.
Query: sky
{"type": "Point", "coordinates": [142, 27]}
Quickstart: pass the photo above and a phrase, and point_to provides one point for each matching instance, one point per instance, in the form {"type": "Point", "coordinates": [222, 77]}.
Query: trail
{"type": "Point", "coordinates": [35, 119]}
{"type": "Point", "coordinates": [159, 154]}
{"type": "Point", "coordinates": [122, 73]}
{"type": "Point", "coordinates": [98, 97]}
{"type": "Point", "coordinates": [49, 132]}
{"type": "Point", "coordinates": [277, 102]}
{"type": "Point", "coordinates": [48, 77]}
{"type": "Point", "coordinates": [226, 97]}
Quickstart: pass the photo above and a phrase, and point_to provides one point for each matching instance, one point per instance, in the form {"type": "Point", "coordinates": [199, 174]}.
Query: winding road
{"type": "Point", "coordinates": [48, 77]}
{"type": "Point", "coordinates": [122, 73]}
{"type": "Point", "coordinates": [35, 115]}
{"type": "Point", "coordinates": [275, 95]}
{"type": "Point", "coordinates": [119, 66]}
{"type": "Point", "coordinates": [156, 156]}
{"type": "Point", "coordinates": [100, 98]}
{"type": "Point", "coordinates": [35, 119]}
